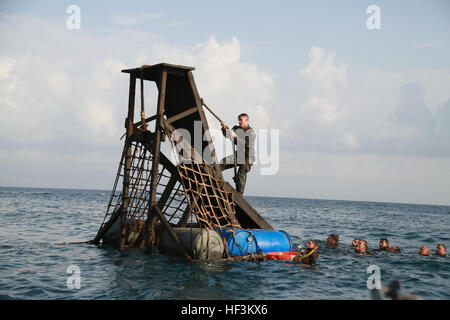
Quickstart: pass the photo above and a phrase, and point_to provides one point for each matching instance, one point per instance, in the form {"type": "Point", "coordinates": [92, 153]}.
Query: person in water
{"type": "Point", "coordinates": [424, 251]}
{"type": "Point", "coordinates": [362, 247]}
{"type": "Point", "coordinates": [384, 246]}
{"type": "Point", "coordinates": [355, 242]}
{"type": "Point", "coordinates": [333, 239]}
{"type": "Point", "coordinates": [311, 244]}
{"type": "Point", "coordinates": [312, 258]}
{"type": "Point", "coordinates": [441, 250]}
{"type": "Point", "coordinates": [244, 137]}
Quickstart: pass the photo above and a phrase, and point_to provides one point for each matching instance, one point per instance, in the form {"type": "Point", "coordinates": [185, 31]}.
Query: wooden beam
{"type": "Point", "coordinates": [248, 210]}
{"type": "Point", "coordinates": [126, 169]}
{"type": "Point", "coordinates": [150, 224]}
{"type": "Point", "coordinates": [156, 154]}
{"type": "Point", "coordinates": [198, 102]}
{"type": "Point", "coordinates": [147, 120]}
{"type": "Point", "coordinates": [131, 97]}
{"type": "Point", "coordinates": [167, 191]}
{"type": "Point", "coordinates": [182, 115]}
{"type": "Point", "coordinates": [187, 212]}
{"type": "Point", "coordinates": [161, 202]}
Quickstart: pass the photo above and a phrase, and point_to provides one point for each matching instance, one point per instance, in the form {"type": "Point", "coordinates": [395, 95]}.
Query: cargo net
{"type": "Point", "coordinates": [212, 206]}
{"type": "Point", "coordinates": [170, 195]}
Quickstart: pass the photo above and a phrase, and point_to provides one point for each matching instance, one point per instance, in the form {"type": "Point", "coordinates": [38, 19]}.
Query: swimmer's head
{"type": "Point", "coordinates": [333, 239]}
{"type": "Point", "coordinates": [441, 249]}
{"type": "Point", "coordinates": [355, 242]}
{"type": "Point", "coordinates": [424, 251]}
{"type": "Point", "coordinates": [384, 244]}
{"type": "Point", "coordinates": [311, 244]}
{"type": "Point", "coordinates": [361, 246]}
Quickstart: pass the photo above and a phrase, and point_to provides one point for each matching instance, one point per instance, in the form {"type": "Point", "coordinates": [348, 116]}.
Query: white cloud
{"type": "Point", "coordinates": [227, 84]}
{"type": "Point", "coordinates": [344, 108]}
{"type": "Point", "coordinates": [322, 109]}
{"type": "Point", "coordinates": [322, 117]}
{"type": "Point", "coordinates": [323, 74]}
{"type": "Point", "coordinates": [69, 95]}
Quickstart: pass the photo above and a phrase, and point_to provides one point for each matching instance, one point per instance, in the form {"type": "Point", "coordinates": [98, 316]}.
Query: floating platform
{"type": "Point", "coordinates": [155, 199]}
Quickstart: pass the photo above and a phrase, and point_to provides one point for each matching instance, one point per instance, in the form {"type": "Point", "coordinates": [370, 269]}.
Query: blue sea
{"type": "Point", "coordinates": [34, 266]}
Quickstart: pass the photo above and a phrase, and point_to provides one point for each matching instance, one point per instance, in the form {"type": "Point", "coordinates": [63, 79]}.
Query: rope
{"type": "Point", "coordinates": [79, 242]}
{"type": "Point", "coordinates": [144, 125]}
{"type": "Point", "coordinates": [234, 148]}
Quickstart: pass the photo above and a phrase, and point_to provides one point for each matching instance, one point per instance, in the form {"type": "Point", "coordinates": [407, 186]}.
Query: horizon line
{"type": "Point", "coordinates": [261, 196]}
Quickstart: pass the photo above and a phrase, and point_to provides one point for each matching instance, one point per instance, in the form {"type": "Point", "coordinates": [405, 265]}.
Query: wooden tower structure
{"type": "Point", "coordinates": [153, 192]}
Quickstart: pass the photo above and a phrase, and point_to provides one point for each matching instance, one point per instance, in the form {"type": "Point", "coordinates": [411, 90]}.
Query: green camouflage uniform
{"type": "Point", "coordinates": [245, 154]}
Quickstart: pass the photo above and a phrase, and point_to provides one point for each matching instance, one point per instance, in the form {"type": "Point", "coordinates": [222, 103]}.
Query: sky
{"type": "Point", "coordinates": [361, 114]}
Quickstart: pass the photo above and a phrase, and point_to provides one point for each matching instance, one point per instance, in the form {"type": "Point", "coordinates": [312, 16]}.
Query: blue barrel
{"type": "Point", "coordinates": [248, 241]}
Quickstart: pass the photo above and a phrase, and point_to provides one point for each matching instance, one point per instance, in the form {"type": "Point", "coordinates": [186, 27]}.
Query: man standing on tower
{"type": "Point", "coordinates": [243, 136]}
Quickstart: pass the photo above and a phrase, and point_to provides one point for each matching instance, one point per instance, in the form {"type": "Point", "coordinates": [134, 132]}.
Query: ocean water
{"type": "Point", "coordinates": [33, 266]}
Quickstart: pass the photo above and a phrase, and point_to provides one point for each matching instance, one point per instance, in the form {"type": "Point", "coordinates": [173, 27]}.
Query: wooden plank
{"type": "Point", "coordinates": [156, 154]}
{"type": "Point", "coordinates": [126, 173]}
{"type": "Point", "coordinates": [198, 102]}
{"type": "Point", "coordinates": [187, 213]}
{"type": "Point", "coordinates": [131, 97]}
{"type": "Point", "coordinates": [147, 120]}
{"type": "Point", "coordinates": [257, 220]}
{"type": "Point", "coordinates": [161, 202]}
{"type": "Point", "coordinates": [157, 135]}
{"type": "Point", "coordinates": [151, 72]}
{"type": "Point", "coordinates": [182, 115]}
{"type": "Point", "coordinates": [159, 65]}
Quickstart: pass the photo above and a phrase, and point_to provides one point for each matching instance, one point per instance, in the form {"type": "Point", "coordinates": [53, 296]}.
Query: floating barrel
{"type": "Point", "coordinates": [199, 242]}
{"type": "Point", "coordinates": [248, 241]}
